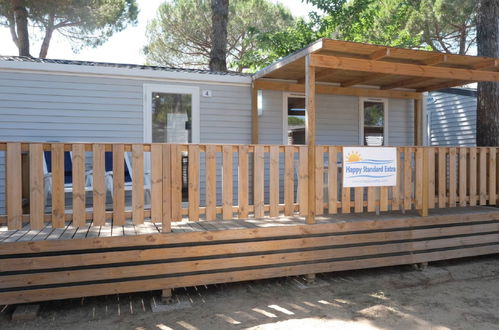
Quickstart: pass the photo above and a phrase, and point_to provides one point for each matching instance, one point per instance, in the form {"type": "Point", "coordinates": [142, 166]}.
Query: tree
{"type": "Point", "coordinates": [83, 22]}
{"type": "Point", "coordinates": [219, 21]}
{"type": "Point", "coordinates": [488, 92]}
{"type": "Point", "coordinates": [180, 35]}
{"type": "Point", "coordinates": [440, 25]}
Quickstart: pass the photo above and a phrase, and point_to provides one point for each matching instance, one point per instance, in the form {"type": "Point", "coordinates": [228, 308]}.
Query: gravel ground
{"type": "Point", "coordinates": [459, 294]}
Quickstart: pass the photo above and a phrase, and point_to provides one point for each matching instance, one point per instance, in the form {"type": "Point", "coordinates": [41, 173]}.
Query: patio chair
{"type": "Point", "coordinates": [128, 176]}
{"type": "Point", "coordinates": [68, 174]}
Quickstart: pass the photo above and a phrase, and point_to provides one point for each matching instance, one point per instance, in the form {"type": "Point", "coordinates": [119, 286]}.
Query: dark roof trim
{"type": "Point", "coordinates": [117, 65]}
{"type": "Point", "coordinates": [458, 91]}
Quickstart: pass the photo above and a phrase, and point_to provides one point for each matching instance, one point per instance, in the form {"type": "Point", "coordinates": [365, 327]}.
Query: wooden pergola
{"type": "Point", "coordinates": [347, 68]}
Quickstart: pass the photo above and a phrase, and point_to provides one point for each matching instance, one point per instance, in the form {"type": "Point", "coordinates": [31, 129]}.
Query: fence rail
{"type": "Point", "coordinates": [102, 182]}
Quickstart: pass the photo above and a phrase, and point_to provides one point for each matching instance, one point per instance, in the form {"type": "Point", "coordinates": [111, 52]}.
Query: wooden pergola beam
{"type": "Point", "coordinates": [404, 83]}
{"type": "Point", "coordinates": [402, 69]}
{"type": "Point", "coordinates": [445, 85]}
{"type": "Point", "coordinates": [436, 59]}
{"type": "Point", "coordinates": [363, 80]}
{"type": "Point", "coordinates": [380, 54]}
{"type": "Point", "coordinates": [486, 64]}
{"type": "Point", "coordinates": [328, 89]}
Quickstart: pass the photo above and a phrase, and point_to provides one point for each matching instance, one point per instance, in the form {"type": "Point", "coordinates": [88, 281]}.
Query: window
{"type": "Point", "coordinates": [295, 119]}
{"type": "Point", "coordinates": [171, 114]}
{"type": "Point", "coordinates": [373, 119]}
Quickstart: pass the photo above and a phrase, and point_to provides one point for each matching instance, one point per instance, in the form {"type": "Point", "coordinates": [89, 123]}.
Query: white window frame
{"type": "Point", "coordinates": [361, 118]}
{"type": "Point", "coordinates": [148, 89]}
{"type": "Point", "coordinates": [285, 97]}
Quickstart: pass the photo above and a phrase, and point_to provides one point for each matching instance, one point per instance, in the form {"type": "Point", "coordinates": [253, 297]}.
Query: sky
{"type": "Point", "coordinates": [122, 47]}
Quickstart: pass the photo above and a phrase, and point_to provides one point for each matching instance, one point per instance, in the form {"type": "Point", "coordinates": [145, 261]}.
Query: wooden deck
{"type": "Point", "coordinates": [68, 232]}
{"type": "Point", "coordinates": [72, 262]}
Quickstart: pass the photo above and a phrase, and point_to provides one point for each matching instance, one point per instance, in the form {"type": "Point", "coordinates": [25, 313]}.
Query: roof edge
{"type": "Point", "coordinates": [130, 72]}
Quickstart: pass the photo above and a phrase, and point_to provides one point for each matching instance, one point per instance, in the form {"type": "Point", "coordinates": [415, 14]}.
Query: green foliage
{"type": "Point", "coordinates": [180, 35]}
{"type": "Point", "coordinates": [296, 121]}
{"type": "Point", "coordinates": [83, 22]}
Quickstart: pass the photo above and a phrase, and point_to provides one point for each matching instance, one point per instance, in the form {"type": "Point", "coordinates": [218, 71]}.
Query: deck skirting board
{"type": "Point", "coordinates": [85, 268]}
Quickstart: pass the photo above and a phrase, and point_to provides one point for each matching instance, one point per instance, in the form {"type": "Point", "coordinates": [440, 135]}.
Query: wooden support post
{"type": "Point", "coordinates": [166, 296]}
{"type": "Point", "coordinates": [310, 129]}
{"type": "Point", "coordinates": [254, 114]}
{"type": "Point", "coordinates": [426, 185]}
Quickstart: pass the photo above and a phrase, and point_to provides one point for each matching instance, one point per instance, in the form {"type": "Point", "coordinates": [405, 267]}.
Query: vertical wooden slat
{"type": "Point", "coordinates": [359, 199]}
{"type": "Point", "coordinates": [332, 181]}
{"type": "Point", "coordinates": [383, 199]}
{"type": "Point", "coordinates": [211, 182]}
{"type": "Point", "coordinates": [425, 189]}
{"type": "Point", "coordinates": [274, 182]}
{"type": "Point", "coordinates": [319, 180]}
{"type": "Point", "coordinates": [442, 177]}
{"type": "Point", "coordinates": [452, 177]}
{"type": "Point", "coordinates": [258, 173]}
{"type": "Point", "coordinates": [371, 199]}
{"type": "Point", "coordinates": [243, 181]}
{"type": "Point", "coordinates": [463, 159]}
{"type": "Point", "coordinates": [36, 190]}
{"type": "Point", "coordinates": [431, 177]}
{"type": "Point", "coordinates": [396, 188]}
{"type": "Point", "coordinates": [118, 184]}
{"type": "Point", "coordinates": [227, 182]}
{"type": "Point", "coordinates": [193, 183]}
{"type": "Point", "coordinates": [407, 178]}
{"type": "Point", "coordinates": [167, 188]}
{"type": "Point", "coordinates": [99, 185]}
{"type": "Point", "coordinates": [78, 173]}
{"type": "Point", "coordinates": [137, 183]}
{"type": "Point", "coordinates": [473, 177]}
{"type": "Point", "coordinates": [483, 176]}
{"type": "Point", "coordinates": [345, 200]}
{"type": "Point", "coordinates": [176, 178]}
{"type": "Point", "coordinates": [13, 177]}
{"type": "Point", "coordinates": [156, 183]}
{"type": "Point", "coordinates": [58, 218]}
{"type": "Point", "coordinates": [303, 180]}
{"type": "Point", "coordinates": [492, 176]}
{"type": "Point", "coordinates": [418, 182]}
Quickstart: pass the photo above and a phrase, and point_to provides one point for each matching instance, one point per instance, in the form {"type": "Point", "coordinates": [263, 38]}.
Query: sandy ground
{"type": "Point", "coordinates": [460, 294]}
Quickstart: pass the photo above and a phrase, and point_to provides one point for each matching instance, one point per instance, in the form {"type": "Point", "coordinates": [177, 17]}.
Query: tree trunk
{"type": "Point", "coordinates": [488, 92]}
{"type": "Point", "coordinates": [219, 19]}
{"type": "Point", "coordinates": [21, 20]}
{"type": "Point", "coordinates": [49, 29]}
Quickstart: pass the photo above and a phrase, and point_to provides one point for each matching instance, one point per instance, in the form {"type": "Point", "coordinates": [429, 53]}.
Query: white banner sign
{"type": "Point", "coordinates": [369, 167]}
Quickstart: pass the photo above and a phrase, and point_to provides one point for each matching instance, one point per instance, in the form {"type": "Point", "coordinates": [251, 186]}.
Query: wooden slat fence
{"type": "Point", "coordinates": [225, 182]}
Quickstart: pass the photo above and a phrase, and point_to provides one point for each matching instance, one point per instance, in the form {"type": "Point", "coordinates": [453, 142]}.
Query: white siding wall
{"type": "Point", "coordinates": [50, 107]}
{"type": "Point", "coordinates": [337, 120]}
{"type": "Point", "coordinates": [452, 119]}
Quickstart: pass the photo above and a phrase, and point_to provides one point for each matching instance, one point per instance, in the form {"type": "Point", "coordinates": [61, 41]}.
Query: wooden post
{"type": "Point", "coordinates": [426, 186]}
{"type": "Point", "coordinates": [254, 114]}
{"type": "Point", "coordinates": [310, 129]}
